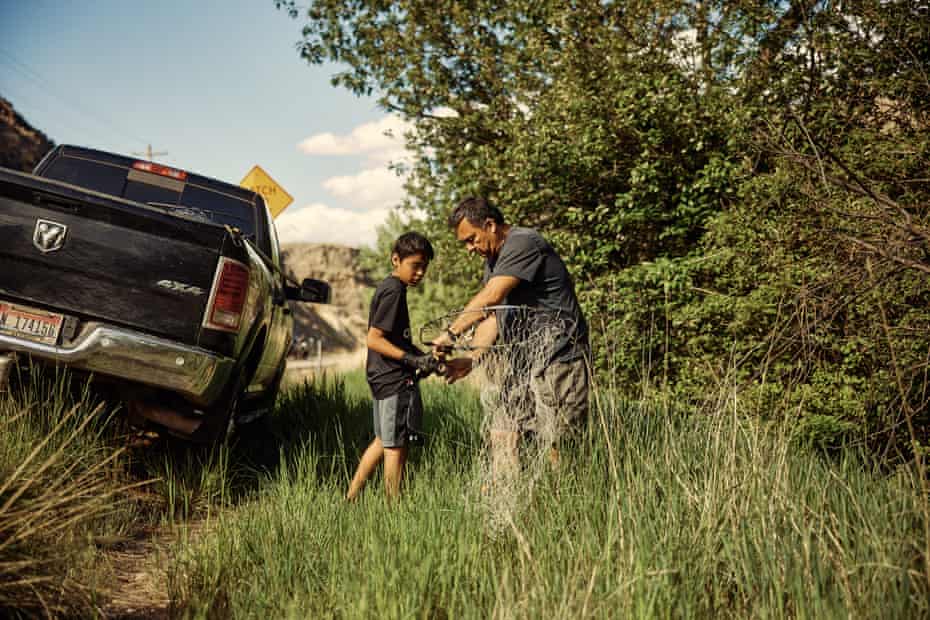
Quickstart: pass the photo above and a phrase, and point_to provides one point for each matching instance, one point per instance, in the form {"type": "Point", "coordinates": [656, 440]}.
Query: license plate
{"type": "Point", "coordinates": [30, 323]}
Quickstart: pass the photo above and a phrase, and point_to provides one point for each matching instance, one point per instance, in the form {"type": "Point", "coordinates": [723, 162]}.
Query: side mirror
{"type": "Point", "coordinates": [316, 291]}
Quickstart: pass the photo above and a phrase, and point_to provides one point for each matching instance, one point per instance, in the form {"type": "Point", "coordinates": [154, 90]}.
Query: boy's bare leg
{"type": "Point", "coordinates": [366, 467]}
{"type": "Point", "coordinates": [394, 461]}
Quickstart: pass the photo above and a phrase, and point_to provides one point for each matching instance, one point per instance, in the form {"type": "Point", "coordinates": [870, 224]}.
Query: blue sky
{"type": "Point", "coordinates": [219, 86]}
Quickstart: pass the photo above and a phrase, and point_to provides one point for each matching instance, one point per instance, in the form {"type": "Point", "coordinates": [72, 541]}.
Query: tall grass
{"type": "Point", "coordinates": [70, 491]}
{"type": "Point", "coordinates": [650, 514]}
{"type": "Point", "coordinates": [61, 483]}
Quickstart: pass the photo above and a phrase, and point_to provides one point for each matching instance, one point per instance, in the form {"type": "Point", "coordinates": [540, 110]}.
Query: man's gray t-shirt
{"type": "Point", "coordinates": [544, 283]}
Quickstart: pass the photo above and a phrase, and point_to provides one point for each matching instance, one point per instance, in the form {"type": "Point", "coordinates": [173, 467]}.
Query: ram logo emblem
{"type": "Point", "coordinates": [49, 236]}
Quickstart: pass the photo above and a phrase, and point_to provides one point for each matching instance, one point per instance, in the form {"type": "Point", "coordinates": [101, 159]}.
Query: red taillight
{"type": "Point", "coordinates": [165, 171]}
{"type": "Point", "coordinates": [230, 290]}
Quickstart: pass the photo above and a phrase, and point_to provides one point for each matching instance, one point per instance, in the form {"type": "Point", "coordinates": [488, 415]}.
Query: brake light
{"type": "Point", "coordinates": [227, 299]}
{"type": "Point", "coordinates": [165, 171]}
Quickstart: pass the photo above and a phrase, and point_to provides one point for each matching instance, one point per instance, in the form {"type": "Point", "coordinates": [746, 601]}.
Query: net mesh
{"type": "Point", "coordinates": [521, 417]}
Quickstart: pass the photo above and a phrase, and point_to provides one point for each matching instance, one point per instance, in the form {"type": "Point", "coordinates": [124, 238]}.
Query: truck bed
{"type": "Point", "coordinates": [121, 262]}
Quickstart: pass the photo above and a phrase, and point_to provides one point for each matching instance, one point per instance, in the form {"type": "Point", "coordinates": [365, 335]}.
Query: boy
{"type": "Point", "coordinates": [393, 366]}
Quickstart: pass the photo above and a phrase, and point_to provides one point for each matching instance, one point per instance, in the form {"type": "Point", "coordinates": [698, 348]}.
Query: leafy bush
{"type": "Point", "coordinates": [739, 188]}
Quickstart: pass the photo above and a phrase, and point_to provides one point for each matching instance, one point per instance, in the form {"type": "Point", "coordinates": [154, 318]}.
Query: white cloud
{"type": "Point", "coordinates": [367, 194]}
{"type": "Point", "coordinates": [689, 52]}
{"type": "Point", "coordinates": [369, 189]}
{"type": "Point", "coordinates": [380, 141]}
{"type": "Point", "coordinates": [319, 223]}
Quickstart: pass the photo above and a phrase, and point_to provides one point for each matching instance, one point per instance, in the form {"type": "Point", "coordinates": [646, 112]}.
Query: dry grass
{"type": "Point", "coordinates": [48, 501]}
{"type": "Point", "coordinates": [63, 489]}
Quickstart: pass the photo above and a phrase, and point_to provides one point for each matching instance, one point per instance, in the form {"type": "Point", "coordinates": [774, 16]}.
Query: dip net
{"type": "Point", "coordinates": [521, 417]}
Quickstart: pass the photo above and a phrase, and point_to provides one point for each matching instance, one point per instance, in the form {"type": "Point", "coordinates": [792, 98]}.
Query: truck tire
{"type": "Point", "coordinates": [220, 417]}
{"type": "Point", "coordinates": [263, 404]}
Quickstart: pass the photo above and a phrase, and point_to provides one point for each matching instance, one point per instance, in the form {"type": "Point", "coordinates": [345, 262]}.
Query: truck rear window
{"type": "Point", "coordinates": [187, 198]}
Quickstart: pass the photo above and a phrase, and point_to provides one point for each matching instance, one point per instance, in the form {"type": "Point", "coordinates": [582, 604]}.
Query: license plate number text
{"type": "Point", "coordinates": [30, 323]}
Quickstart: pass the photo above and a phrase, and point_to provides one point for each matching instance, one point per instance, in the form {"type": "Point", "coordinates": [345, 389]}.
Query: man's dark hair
{"type": "Point", "coordinates": [411, 243]}
{"type": "Point", "coordinates": [476, 210]}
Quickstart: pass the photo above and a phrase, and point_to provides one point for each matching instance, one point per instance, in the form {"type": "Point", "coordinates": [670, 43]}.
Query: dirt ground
{"type": "Point", "coordinates": [300, 369]}
{"type": "Point", "coordinates": [135, 567]}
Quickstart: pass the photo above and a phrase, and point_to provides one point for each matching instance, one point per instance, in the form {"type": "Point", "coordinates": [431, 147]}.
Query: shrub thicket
{"type": "Point", "coordinates": [740, 188]}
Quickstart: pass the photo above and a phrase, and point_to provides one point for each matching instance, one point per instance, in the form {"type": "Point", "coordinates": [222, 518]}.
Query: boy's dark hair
{"type": "Point", "coordinates": [476, 210]}
{"type": "Point", "coordinates": [411, 243]}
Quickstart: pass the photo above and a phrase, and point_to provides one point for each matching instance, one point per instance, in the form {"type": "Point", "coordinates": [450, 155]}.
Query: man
{"type": "Point", "coordinates": [522, 269]}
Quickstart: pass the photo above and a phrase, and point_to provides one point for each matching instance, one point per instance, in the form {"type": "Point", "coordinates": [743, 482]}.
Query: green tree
{"type": "Point", "coordinates": [739, 186]}
{"type": "Point", "coordinates": [582, 119]}
{"type": "Point", "coordinates": [817, 273]}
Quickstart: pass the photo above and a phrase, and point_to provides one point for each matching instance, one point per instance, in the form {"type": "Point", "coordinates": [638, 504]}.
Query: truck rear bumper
{"type": "Point", "coordinates": [197, 374]}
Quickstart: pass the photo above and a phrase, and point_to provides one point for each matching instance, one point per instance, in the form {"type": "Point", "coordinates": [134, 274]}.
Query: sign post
{"type": "Point", "coordinates": [275, 196]}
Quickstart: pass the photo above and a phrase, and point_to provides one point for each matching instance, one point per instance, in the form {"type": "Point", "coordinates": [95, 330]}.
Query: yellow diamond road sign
{"type": "Point", "coordinates": [261, 183]}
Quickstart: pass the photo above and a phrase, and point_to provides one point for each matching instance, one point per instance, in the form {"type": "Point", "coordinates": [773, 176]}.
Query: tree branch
{"type": "Point", "coordinates": [912, 264]}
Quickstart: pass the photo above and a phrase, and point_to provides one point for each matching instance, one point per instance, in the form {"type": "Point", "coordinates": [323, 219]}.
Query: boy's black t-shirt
{"type": "Point", "coordinates": [389, 313]}
{"type": "Point", "coordinates": [545, 284]}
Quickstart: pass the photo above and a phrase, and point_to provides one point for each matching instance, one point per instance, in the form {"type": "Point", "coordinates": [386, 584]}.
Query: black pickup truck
{"type": "Point", "coordinates": [162, 283]}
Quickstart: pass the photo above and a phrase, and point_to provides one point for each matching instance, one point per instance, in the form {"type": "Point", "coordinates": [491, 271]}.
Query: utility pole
{"type": "Point", "coordinates": [149, 153]}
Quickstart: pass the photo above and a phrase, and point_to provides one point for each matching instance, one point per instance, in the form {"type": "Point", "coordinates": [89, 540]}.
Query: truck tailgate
{"type": "Point", "coordinates": [120, 262]}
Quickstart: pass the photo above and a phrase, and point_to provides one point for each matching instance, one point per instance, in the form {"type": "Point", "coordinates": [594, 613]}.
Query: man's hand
{"type": "Point", "coordinates": [458, 368]}
{"type": "Point", "coordinates": [423, 364]}
{"type": "Point", "coordinates": [442, 346]}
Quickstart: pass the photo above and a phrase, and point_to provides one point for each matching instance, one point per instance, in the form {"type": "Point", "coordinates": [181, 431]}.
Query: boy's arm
{"type": "Point", "coordinates": [376, 341]}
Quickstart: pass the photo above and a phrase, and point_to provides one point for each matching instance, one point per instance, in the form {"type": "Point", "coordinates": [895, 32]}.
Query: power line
{"type": "Point", "coordinates": [35, 108]}
{"type": "Point", "coordinates": [71, 102]}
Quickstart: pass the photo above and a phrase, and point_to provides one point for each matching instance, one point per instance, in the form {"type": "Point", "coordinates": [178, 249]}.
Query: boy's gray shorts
{"type": "Point", "coordinates": [397, 419]}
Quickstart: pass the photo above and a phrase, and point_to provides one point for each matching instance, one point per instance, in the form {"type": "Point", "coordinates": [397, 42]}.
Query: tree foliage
{"type": "Point", "coordinates": [740, 187]}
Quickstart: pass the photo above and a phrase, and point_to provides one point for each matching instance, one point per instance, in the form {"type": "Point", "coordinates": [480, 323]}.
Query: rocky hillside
{"type": "Point", "coordinates": [21, 145]}
{"type": "Point", "coordinates": [340, 325]}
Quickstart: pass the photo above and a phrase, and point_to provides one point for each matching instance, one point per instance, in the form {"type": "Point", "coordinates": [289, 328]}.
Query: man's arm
{"type": "Point", "coordinates": [493, 293]}
{"type": "Point", "coordinates": [485, 335]}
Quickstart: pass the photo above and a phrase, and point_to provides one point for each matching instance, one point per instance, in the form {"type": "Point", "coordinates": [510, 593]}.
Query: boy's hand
{"type": "Point", "coordinates": [424, 364]}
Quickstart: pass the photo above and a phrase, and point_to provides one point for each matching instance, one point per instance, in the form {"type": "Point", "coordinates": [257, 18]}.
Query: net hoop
{"type": "Point", "coordinates": [518, 327]}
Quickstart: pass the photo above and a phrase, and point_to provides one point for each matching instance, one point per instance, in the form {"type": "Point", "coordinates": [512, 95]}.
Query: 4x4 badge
{"type": "Point", "coordinates": [49, 236]}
